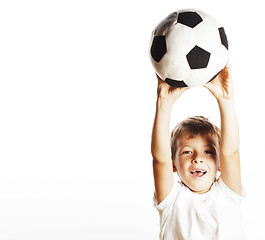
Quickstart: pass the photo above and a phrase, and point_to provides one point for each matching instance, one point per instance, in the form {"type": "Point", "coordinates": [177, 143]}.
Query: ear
{"type": "Point", "coordinates": [174, 168]}
{"type": "Point", "coordinates": [219, 166]}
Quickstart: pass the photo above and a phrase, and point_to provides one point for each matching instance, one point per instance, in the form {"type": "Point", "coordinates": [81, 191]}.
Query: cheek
{"type": "Point", "coordinates": [213, 163]}
{"type": "Point", "coordinates": [182, 165]}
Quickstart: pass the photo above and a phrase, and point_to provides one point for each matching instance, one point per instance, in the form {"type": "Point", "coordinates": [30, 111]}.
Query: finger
{"type": "Point", "coordinates": [184, 89]}
{"type": "Point", "coordinates": [179, 90]}
{"type": "Point", "coordinates": [159, 79]}
{"type": "Point", "coordinates": [209, 85]}
{"type": "Point", "coordinates": [225, 74]}
{"type": "Point", "coordinates": [228, 63]}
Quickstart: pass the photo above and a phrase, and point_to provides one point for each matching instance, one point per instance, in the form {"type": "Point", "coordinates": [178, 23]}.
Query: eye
{"type": "Point", "coordinates": [209, 152]}
{"type": "Point", "coordinates": [187, 152]}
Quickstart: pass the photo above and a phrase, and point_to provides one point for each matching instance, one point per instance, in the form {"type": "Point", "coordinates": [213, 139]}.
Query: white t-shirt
{"type": "Point", "coordinates": [215, 215]}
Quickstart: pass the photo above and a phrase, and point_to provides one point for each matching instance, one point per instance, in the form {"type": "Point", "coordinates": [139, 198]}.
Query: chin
{"type": "Point", "coordinates": [200, 187]}
{"type": "Point", "coordinates": [200, 191]}
{"type": "Point", "coordinates": [202, 184]}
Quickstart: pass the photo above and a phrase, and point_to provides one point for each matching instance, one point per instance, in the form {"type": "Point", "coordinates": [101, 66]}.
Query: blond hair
{"type": "Point", "coordinates": [193, 126]}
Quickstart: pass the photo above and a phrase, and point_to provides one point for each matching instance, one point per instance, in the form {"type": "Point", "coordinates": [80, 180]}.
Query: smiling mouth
{"type": "Point", "coordinates": [198, 173]}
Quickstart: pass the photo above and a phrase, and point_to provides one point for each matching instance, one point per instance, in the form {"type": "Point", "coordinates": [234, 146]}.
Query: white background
{"type": "Point", "coordinates": [77, 101]}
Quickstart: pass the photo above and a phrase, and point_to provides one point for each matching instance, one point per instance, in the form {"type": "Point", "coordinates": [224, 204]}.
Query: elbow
{"type": "Point", "coordinates": [157, 159]}
{"type": "Point", "coordinates": [230, 151]}
{"type": "Point", "coordinates": [230, 155]}
{"type": "Point", "coordinates": [161, 159]}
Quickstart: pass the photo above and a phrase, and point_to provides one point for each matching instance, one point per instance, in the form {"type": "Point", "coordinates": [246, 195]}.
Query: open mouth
{"type": "Point", "coordinates": [198, 172]}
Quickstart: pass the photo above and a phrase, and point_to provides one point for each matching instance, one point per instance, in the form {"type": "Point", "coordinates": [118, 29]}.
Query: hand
{"type": "Point", "coordinates": [221, 87]}
{"type": "Point", "coordinates": [167, 93]}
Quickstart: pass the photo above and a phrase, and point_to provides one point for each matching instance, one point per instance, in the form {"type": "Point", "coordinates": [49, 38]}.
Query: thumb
{"type": "Point", "coordinates": [209, 86]}
{"type": "Point", "coordinates": [159, 79]}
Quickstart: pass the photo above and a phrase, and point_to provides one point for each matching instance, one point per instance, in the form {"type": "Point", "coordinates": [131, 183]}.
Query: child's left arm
{"type": "Point", "coordinates": [222, 89]}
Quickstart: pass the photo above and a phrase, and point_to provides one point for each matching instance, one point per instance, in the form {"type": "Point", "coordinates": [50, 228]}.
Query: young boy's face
{"type": "Point", "coordinates": [197, 161]}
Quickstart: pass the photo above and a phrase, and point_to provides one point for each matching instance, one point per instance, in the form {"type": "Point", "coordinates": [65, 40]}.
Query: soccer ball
{"type": "Point", "coordinates": [188, 48]}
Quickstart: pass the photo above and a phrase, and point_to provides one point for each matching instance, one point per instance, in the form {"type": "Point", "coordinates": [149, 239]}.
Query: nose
{"type": "Point", "coordinates": [197, 159]}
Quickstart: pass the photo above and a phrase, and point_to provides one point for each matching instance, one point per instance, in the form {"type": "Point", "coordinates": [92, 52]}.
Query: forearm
{"type": "Point", "coordinates": [160, 145]}
{"type": "Point", "coordinates": [229, 127]}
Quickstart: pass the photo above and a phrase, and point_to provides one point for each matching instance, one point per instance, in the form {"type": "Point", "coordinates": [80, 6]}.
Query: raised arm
{"type": "Point", "coordinates": [222, 89]}
{"type": "Point", "coordinates": [160, 146]}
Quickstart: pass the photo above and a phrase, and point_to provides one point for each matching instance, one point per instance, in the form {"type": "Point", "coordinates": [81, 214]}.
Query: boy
{"type": "Point", "coordinates": [199, 207]}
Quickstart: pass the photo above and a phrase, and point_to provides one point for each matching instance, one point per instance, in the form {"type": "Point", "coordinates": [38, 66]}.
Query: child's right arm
{"type": "Point", "coordinates": [222, 89]}
{"type": "Point", "coordinates": [160, 146]}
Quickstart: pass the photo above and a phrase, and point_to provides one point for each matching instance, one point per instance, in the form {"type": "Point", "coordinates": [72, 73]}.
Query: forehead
{"type": "Point", "coordinates": [198, 140]}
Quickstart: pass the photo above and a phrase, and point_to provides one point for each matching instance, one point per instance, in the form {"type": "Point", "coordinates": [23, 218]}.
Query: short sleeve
{"type": "Point", "coordinates": [230, 193]}
{"type": "Point", "coordinates": [169, 198]}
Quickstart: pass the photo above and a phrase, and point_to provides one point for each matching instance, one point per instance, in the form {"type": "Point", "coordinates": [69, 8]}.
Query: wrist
{"type": "Point", "coordinates": [225, 101]}
{"type": "Point", "coordinates": [227, 109]}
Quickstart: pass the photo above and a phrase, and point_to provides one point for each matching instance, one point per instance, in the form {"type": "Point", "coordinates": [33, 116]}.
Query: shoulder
{"type": "Point", "coordinates": [171, 197]}
{"type": "Point", "coordinates": [221, 188]}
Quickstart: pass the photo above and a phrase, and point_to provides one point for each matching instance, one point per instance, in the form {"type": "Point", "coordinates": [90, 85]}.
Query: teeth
{"type": "Point", "coordinates": [198, 171]}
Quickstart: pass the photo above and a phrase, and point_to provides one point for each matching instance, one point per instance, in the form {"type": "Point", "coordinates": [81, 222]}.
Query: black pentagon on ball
{"type": "Point", "coordinates": [158, 48]}
{"type": "Point", "coordinates": [223, 37]}
{"type": "Point", "coordinates": [176, 83]}
{"type": "Point", "coordinates": [198, 58]}
{"type": "Point", "coordinates": [190, 19]}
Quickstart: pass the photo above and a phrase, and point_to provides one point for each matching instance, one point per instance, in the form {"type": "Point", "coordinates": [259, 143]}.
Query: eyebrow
{"type": "Point", "coordinates": [211, 145]}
